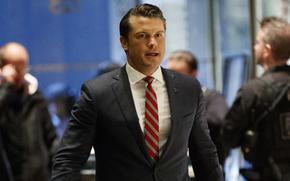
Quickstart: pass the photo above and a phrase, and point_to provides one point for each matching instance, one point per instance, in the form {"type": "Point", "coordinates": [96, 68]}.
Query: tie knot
{"type": "Point", "coordinates": [148, 79]}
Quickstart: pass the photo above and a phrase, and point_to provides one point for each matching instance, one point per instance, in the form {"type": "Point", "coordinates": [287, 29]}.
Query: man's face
{"type": "Point", "coordinates": [17, 58]}
{"type": "Point", "coordinates": [177, 62]}
{"type": "Point", "coordinates": [145, 46]}
{"type": "Point", "coordinates": [260, 48]}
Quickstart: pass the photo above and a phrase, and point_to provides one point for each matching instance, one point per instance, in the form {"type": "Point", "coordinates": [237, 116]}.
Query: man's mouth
{"type": "Point", "coordinates": [152, 54]}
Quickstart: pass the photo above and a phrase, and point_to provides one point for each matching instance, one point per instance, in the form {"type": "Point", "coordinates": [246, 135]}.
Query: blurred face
{"type": "Point", "coordinates": [17, 58]}
{"type": "Point", "coordinates": [260, 49]}
{"type": "Point", "coordinates": [61, 109]}
{"type": "Point", "coordinates": [145, 46]}
{"type": "Point", "coordinates": [177, 62]}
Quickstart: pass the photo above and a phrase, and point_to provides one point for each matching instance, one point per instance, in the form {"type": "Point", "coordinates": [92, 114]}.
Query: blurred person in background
{"type": "Point", "coordinates": [186, 63]}
{"type": "Point", "coordinates": [61, 98]}
{"type": "Point", "coordinates": [259, 118]}
{"type": "Point", "coordinates": [26, 131]}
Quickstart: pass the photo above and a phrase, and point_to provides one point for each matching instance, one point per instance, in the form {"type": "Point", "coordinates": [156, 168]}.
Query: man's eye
{"type": "Point", "coordinates": [141, 35]}
{"type": "Point", "coordinates": [158, 35]}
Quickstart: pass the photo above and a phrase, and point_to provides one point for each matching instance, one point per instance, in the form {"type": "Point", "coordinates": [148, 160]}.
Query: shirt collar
{"type": "Point", "coordinates": [135, 76]}
{"type": "Point", "coordinates": [280, 68]}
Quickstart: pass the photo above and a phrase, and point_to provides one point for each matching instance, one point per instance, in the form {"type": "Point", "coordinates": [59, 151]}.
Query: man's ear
{"type": "Point", "coordinates": [194, 73]}
{"type": "Point", "coordinates": [268, 51]}
{"type": "Point", "coordinates": [124, 43]}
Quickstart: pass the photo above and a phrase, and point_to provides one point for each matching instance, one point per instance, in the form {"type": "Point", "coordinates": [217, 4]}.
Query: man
{"type": "Point", "coordinates": [26, 132]}
{"type": "Point", "coordinates": [140, 128]}
{"type": "Point", "coordinates": [257, 121]}
{"type": "Point", "coordinates": [215, 105]}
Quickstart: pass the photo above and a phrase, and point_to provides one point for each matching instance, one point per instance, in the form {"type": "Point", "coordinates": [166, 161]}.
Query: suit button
{"type": "Point", "coordinates": [157, 174]}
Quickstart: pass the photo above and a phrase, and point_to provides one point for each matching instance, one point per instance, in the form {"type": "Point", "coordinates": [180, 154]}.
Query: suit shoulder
{"type": "Point", "coordinates": [101, 81]}
{"type": "Point", "coordinates": [183, 79]}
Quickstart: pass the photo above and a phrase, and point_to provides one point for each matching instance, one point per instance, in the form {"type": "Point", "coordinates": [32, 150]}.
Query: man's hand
{"type": "Point", "coordinates": [8, 74]}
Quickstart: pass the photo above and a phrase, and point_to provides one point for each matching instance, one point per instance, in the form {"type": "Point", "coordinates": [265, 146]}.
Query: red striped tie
{"type": "Point", "coordinates": [151, 128]}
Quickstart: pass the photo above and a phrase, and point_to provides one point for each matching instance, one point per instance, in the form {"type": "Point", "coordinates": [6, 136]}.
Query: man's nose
{"type": "Point", "coordinates": [152, 43]}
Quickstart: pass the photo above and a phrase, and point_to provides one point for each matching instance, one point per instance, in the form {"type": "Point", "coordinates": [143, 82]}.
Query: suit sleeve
{"type": "Point", "coordinates": [202, 151]}
{"type": "Point", "coordinates": [77, 140]}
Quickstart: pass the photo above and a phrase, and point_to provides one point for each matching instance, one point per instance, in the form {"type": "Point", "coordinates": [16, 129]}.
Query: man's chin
{"type": "Point", "coordinates": [19, 83]}
{"type": "Point", "coordinates": [153, 61]}
{"type": "Point", "coordinates": [260, 63]}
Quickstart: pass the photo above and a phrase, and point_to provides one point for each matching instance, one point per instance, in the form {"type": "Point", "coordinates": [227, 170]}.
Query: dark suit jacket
{"type": "Point", "coordinates": [105, 118]}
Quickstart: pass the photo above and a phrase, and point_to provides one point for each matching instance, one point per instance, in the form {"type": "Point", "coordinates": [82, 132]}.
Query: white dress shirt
{"type": "Point", "coordinates": [138, 88]}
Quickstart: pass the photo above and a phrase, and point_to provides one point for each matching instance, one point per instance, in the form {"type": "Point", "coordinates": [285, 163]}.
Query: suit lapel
{"type": "Point", "coordinates": [172, 90]}
{"type": "Point", "coordinates": [122, 91]}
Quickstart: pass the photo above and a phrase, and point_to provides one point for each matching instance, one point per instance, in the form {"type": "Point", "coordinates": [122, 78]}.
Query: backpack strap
{"type": "Point", "coordinates": [274, 103]}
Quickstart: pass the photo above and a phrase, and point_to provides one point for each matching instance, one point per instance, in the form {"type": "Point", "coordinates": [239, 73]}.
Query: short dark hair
{"type": "Point", "coordinates": [144, 10]}
{"type": "Point", "coordinates": [190, 59]}
{"type": "Point", "coordinates": [277, 34]}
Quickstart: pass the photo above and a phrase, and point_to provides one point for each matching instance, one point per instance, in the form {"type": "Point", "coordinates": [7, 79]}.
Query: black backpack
{"type": "Point", "coordinates": [268, 139]}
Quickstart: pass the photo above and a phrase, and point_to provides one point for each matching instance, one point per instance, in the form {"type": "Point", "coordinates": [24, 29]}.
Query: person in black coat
{"type": "Point", "coordinates": [27, 134]}
{"type": "Point", "coordinates": [216, 107]}
{"type": "Point", "coordinates": [265, 142]}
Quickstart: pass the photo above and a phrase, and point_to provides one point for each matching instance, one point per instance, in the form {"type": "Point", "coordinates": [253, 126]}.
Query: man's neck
{"type": "Point", "coordinates": [274, 63]}
{"type": "Point", "coordinates": [148, 71]}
